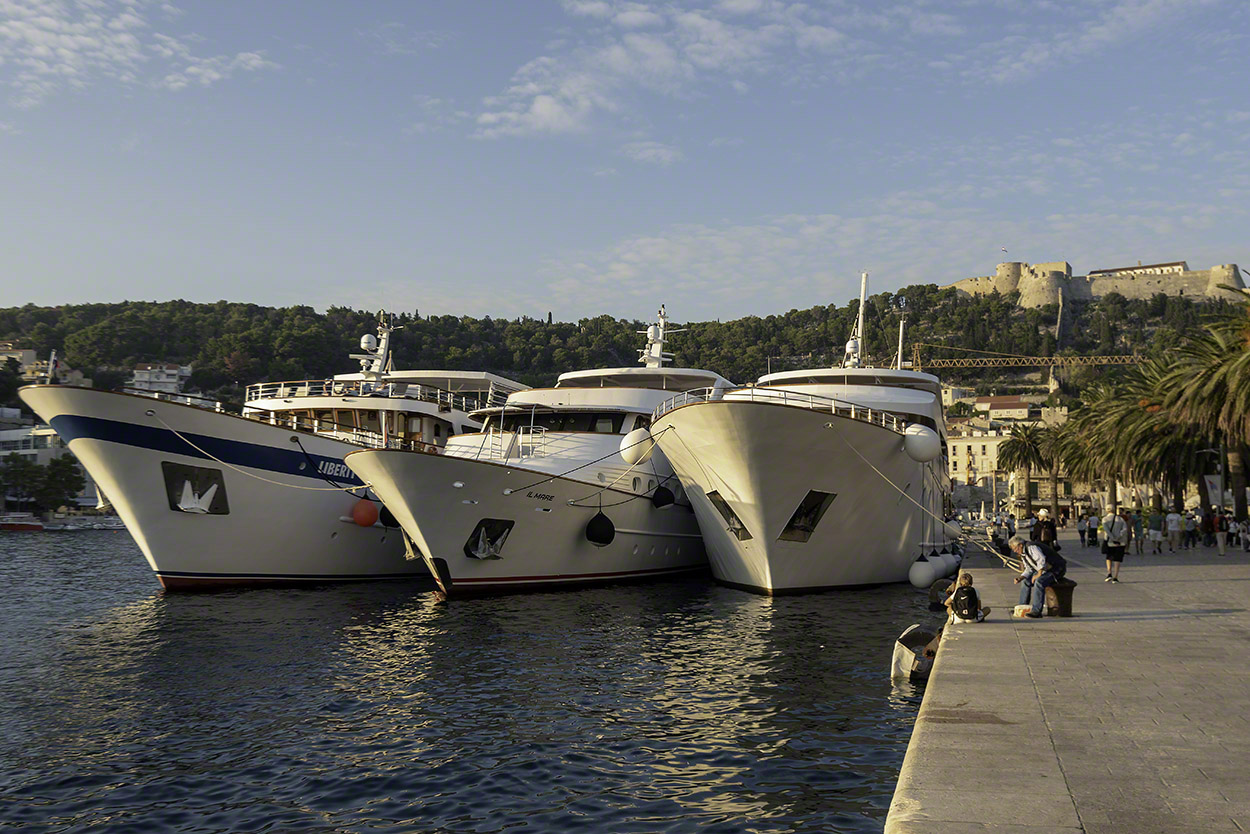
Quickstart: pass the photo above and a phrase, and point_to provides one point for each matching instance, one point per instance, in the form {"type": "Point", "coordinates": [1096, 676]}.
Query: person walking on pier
{"type": "Point", "coordinates": [1044, 528]}
{"type": "Point", "coordinates": [1174, 524]}
{"type": "Point", "coordinates": [1116, 529]}
{"type": "Point", "coordinates": [1155, 525]}
{"type": "Point", "coordinates": [1137, 532]}
{"type": "Point", "coordinates": [1080, 527]}
{"type": "Point", "coordinates": [1040, 567]}
{"type": "Point", "coordinates": [1221, 532]}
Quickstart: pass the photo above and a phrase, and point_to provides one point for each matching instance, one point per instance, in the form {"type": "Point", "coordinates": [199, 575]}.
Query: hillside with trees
{"type": "Point", "coordinates": [232, 344]}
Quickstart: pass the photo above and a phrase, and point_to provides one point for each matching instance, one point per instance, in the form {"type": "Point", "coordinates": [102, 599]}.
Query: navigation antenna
{"type": "Point", "coordinates": [653, 354]}
{"type": "Point", "coordinates": [854, 346]}
{"type": "Point", "coordinates": [902, 323]}
{"type": "Point", "coordinates": [375, 361]}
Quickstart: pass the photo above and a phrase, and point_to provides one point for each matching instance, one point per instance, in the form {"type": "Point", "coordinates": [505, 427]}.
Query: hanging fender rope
{"type": "Point", "coordinates": [923, 508]}
{"type": "Point", "coordinates": [211, 456]}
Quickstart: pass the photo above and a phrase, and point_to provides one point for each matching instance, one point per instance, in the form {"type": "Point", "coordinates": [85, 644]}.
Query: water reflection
{"type": "Point", "coordinates": [656, 707]}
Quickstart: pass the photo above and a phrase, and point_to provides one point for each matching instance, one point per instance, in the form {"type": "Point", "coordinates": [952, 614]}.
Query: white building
{"type": "Point", "coordinates": [42, 444]}
{"type": "Point", "coordinates": [161, 377]}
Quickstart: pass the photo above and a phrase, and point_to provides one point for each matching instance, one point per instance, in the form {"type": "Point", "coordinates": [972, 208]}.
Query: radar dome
{"type": "Point", "coordinates": [653, 333]}
{"type": "Point", "coordinates": [369, 342]}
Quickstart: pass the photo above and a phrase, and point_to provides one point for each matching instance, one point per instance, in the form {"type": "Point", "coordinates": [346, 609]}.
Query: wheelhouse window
{"type": "Point", "coordinates": [552, 421]}
{"type": "Point", "coordinates": [369, 421]}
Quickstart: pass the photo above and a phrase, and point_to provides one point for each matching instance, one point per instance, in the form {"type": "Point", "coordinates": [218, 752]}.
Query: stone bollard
{"type": "Point", "coordinates": [1059, 598]}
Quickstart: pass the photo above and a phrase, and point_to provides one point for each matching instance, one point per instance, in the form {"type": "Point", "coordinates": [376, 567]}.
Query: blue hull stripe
{"type": "Point", "coordinates": [71, 427]}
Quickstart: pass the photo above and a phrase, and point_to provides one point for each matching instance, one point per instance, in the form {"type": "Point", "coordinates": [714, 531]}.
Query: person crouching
{"type": "Point", "coordinates": [1041, 567]}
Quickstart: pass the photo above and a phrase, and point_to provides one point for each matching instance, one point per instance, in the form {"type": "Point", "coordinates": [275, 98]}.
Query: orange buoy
{"type": "Point", "coordinates": [365, 513]}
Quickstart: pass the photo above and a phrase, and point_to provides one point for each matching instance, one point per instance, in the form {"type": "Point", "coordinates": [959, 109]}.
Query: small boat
{"type": "Point", "coordinates": [20, 522]}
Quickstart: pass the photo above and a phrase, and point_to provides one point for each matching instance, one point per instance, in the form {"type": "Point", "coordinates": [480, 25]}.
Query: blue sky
{"type": "Point", "coordinates": [725, 157]}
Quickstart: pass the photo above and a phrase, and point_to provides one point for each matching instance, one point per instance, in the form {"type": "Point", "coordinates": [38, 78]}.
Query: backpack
{"type": "Point", "coordinates": [965, 604]}
{"type": "Point", "coordinates": [1057, 564]}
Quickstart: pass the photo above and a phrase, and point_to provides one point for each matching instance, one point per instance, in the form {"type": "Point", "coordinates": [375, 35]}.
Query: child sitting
{"type": "Point", "coordinates": [964, 603]}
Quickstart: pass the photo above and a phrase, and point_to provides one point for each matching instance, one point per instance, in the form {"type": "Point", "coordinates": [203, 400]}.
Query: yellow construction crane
{"type": "Point", "coordinates": [1006, 360]}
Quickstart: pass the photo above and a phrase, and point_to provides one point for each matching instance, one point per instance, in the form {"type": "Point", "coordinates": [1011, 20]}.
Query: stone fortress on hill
{"type": "Point", "coordinates": [1054, 283]}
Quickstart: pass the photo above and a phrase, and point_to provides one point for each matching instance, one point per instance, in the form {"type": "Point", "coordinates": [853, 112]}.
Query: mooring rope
{"type": "Point", "coordinates": [208, 454]}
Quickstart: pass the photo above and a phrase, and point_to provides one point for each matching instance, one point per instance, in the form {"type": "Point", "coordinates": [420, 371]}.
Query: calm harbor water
{"type": "Point", "coordinates": [677, 706]}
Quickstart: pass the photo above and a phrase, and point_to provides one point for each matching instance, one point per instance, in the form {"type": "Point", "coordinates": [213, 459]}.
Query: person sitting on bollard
{"type": "Point", "coordinates": [964, 603]}
{"type": "Point", "coordinates": [1041, 568]}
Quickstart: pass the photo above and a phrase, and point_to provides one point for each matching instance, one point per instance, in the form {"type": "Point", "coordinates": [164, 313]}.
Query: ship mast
{"type": "Point", "coordinates": [653, 354]}
{"type": "Point", "coordinates": [854, 346]}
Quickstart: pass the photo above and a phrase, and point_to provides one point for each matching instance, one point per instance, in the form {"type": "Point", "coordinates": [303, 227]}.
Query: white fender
{"type": "Point", "coordinates": [637, 446]}
{"type": "Point", "coordinates": [922, 573]}
{"type": "Point", "coordinates": [921, 443]}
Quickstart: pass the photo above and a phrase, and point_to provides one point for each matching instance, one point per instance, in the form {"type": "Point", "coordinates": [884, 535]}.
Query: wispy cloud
{"type": "Point", "coordinates": [654, 153]}
{"type": "Point", "coordinates": [655, 49]}
{"type": "Point", "coordinates": [1095, 28]}
{"type": "Point", "coordinates": [48, 46]}
{"type": "Point", "coordinates": [400, 39]}
{"type": "Point", "coordinates": [804, 259]}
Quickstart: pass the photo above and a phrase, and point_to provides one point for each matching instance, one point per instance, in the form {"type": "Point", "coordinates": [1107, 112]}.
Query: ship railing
{"type": "Point", "coordinates": [346, 432]}
{"type": "Point", "coordinates": [186, 399]}
{"type": "Point", "coordinates": [531, 441]}
{"type": "Point", "coordinates": [445, 400]}
{"type": "Point", "coordinates": [782, 396]}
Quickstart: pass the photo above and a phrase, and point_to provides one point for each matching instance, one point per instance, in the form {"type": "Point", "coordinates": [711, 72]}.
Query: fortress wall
{"type": "Point", "coordinates": [1039, 284]}
{"type": "Point", "coordinates": [1196, 283]}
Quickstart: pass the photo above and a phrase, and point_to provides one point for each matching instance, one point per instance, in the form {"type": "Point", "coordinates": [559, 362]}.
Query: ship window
{"type": "Point", "coordinates": [637, 483]}
{"type": "Point", "coordinates": [577, 422]}
{"type": "Point", "coordinates": [438, 429]}
{"type": "Point", "coordinates": [303, 419]}
{"type": "Point", "coordinates": [369, 421]}
{"type": "Point", "coordinates": [810, 510]}
{"type": "Point", "coordinates": [642, 422]}
{"type": "Point", "coordinates": [325, 420]}
{"type": "Point", "coordinates": [344, 420]}
{"type": "Point", "coordinates": [733, 523]}
{"type": "Point", "coordinates": [609, 423]}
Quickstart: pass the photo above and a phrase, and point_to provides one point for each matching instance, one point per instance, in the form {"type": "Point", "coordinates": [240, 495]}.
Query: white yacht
{"type": "Point", "coordinates": [561, 487]}
{"type": "Point", "coordinates": [219, 499]}
{"type": "Point", "coordinates": [815, 479]}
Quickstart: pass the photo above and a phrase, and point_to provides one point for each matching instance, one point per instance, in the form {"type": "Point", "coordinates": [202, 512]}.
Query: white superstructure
{"type": "Point", "coordinates": [220, 499]}
{"type": "Point", "coordinates": [556, 490]}
{"type": "Point", "coordinates": [814, 479]}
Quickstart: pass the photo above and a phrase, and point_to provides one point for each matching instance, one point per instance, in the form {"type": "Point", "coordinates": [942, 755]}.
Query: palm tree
{"type": "Point", "coordinates": [1055, 448]}
{"type": "Point", "coordinates": [1023, 450]}
{"type": "Point", "coordinates": [1209, 387]}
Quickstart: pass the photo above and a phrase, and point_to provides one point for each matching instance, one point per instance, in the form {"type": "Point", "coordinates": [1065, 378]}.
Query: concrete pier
{"type": "Point", "coordinates": [1131, 716]}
